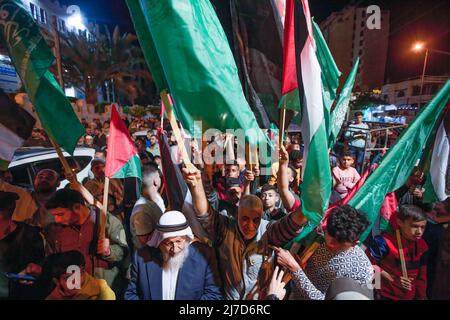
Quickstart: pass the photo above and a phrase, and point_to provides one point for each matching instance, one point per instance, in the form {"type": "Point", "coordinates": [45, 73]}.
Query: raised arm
{"type": "Point", "coordinates": [194, 180]}
{"type": "Point", "coordinates": [283, 179]}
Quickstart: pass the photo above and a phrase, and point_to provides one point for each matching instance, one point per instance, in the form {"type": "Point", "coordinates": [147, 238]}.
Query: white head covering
{"type": "Point", "coordinates": [171, 224]}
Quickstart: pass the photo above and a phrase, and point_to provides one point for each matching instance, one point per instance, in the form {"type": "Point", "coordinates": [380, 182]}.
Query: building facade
{"type": "Point", "coordinates": [407, 92]}
{"type": "Point", "coordinates": [349, 37]}
{"type": "Point", "coordinates": [48, 14]}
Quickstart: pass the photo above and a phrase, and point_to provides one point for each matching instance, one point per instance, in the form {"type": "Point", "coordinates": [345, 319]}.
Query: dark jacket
{"type": "Point", "coordinates": [197, 279]}
{"type": "Point", "coordinates": [19, 248]}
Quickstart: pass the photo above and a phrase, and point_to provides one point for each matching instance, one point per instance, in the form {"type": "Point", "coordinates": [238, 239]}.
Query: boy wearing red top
{"type": "Point", "coordinates": [384, 254]}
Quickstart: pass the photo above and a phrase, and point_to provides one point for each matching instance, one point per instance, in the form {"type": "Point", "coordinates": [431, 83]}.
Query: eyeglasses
{"type": "Point", "coordinates": [172, 243]}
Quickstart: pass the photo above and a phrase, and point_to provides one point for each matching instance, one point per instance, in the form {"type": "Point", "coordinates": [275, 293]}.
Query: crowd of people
{"type": "Point", "coordinates": [51, 245]}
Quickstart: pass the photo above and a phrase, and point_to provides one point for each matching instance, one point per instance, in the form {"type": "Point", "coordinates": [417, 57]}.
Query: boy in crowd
{"type": "Point", "coordinates": [384, 254]}
{"type": "Point", "coordinates": [62, 283]}
{"type": "Point", "coordinates": [345, 177]}
{"type": "Point", "coordinates": [270, 198]}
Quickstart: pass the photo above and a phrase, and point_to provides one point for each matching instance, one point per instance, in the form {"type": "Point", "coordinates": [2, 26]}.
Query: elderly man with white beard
{"type": "Point", "coordinates": [172, 265]}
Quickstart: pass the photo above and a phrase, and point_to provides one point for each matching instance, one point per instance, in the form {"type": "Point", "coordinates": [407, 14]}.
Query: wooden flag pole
{"type": "Point", "coordinates": [67, 169]}
{"type": "Point", "coordinates": [104, 210]}
{"type": "Point", "coordinates": [248, 157]}
{"type": "Point", "coordinates": [282, 124]}
{"type": "Point", "coordinates": [401, 253]}
{"type": "Point", "coordinates": [308, 254]}
{"type": "Point", "coordinates": [70, 175]}
{"type": "Point", "coordinates": [73, 178]}
{"type": "Point", "coordinates": [176, 130]}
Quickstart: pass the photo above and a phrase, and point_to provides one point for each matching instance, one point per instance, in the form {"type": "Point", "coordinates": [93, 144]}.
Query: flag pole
{"type": "Point", "coordinates": [308, 253]}
{"type": "Point", "coordinates": [401, 253]}
{"type": "Point", "coordinates": [282, 123]}
{"type": "Point", "coordinates": [75, 184]}
{"type": "Point", "coordinates": [104, 210]}
{"type": "Point", "coordinates": [176, 129]}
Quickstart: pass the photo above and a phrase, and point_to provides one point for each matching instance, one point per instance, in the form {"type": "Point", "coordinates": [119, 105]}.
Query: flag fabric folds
{"type": "Point", "coordinates": [317, 182]}
{"type": "Point", "coordinates": [339, 112]}
{"type": "Point", "coordinates": [175, 186]}
{"type": "Point", "coordinates": [122, 160]}
{"type": "Point", "coordinates": [32, 58]}
{"type": "Point", "coordinates": [198, 64]}
{"type": "Point", "coordinates": [329, 72]}
{"type": "Point", "coordinates": [435, 181]}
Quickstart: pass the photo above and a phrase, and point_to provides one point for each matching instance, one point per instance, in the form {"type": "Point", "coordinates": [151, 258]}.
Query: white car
{"type": "Point", "coordinates": [27, 162]}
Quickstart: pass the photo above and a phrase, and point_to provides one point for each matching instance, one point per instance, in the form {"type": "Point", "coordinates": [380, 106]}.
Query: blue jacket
{"type": "Point", "coordinates": [197, 279]}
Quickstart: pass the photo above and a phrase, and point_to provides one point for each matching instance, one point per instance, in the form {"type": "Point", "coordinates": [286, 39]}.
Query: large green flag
{"type": "Point", "coordinates": [339, 112]}
{"type": "Point", "coordinates": [198, 64]}
{"type": "Point", "coordinates": [397, 165]}
{"type": "Point", "coordinates": [33, 58]}
{"type": "Point", "coordinates": [147, 45]}
{"type": "Point", "coordinates": [329, 72]}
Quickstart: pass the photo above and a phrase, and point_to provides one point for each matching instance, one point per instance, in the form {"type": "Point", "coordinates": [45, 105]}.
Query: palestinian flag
{"type": "Point", "coordinates": [398, 163]}
{"type": "Point", "coordinates": [33, 58]}
{"type": "Point", "coordinates": [435, 182]}
{"type": "Point", "coordinates": [329, 72]}
{"type": "Point", "coordinates": [122, 160]}
{"type": "Point", "coordinates": [317, 182]}
{"type": "Point", "coordinates": [16, 125]}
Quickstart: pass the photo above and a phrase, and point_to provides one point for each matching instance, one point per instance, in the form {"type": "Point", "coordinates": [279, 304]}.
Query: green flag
{"type": "Point", "coordinates": [198, 64]}
{"type": "Point", "coordinates": [147, 44]}
{"type": "Point", "coordinates": [329, 72]}
{"type": "Point", "coordinates": [339, 112]}
{"type": "Point", "coordinates": [397, 165]}
{"type": "Point", "coordinates": [33, 58]}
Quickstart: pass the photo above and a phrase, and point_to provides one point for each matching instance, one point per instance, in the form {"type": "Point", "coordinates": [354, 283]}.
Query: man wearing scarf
{"type": "Point", "coordinates": [172, 265]}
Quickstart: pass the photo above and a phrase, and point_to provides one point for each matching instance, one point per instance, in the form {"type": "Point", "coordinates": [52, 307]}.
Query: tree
{"type": "Point", "coordinates": [117, 59]}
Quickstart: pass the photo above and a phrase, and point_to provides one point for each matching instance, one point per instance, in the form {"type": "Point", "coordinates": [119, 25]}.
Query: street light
{"type": "Point", "coordinates": [75, 19]}
{"type": "Point", "coordinates": [418, 47]}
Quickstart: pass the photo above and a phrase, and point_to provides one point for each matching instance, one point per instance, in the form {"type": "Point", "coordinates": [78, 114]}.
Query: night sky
{"type": "Point", "coordinates": [411, 20]}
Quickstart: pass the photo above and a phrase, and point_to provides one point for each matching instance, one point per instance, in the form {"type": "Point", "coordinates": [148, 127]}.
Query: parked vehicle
{"type": "Point", "coordinates": [27, 162]}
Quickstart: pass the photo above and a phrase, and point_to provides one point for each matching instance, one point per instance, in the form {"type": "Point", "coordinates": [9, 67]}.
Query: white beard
{"type": "Point", "coordinates": [176, 262]}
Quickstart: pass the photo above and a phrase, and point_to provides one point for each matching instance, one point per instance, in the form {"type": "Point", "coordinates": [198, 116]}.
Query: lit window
{"type": "Point", "coordinates": [43, 16]}
{"type": "Point", "coordinates": [33, 10]}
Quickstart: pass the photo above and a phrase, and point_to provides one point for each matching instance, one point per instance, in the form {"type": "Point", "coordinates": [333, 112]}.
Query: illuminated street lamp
{"type": "Point", "coordinates": [75, 19]}
{"type": "Point", "coordinates": [418, 47]}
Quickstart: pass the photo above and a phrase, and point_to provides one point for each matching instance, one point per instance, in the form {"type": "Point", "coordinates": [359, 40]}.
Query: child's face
{"type": "Point", "coordinates": [346, 162]}
{"type": "Point", "coordinates": [412, 230]}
